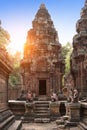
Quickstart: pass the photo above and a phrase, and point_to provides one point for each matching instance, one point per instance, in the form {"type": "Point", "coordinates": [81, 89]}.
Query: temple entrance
{"type": "Point", "coordinates": [42, 87]}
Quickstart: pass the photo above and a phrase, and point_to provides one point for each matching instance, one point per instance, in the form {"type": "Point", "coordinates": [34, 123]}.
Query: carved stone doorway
{"type": "Point", "coordinates": [42, 87]}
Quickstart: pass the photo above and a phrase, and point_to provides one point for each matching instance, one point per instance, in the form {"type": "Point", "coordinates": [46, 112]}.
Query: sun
{"type": "Point", "coordinates": [16, 45]}
{"type": "Point", "coordinates": [17, 41]}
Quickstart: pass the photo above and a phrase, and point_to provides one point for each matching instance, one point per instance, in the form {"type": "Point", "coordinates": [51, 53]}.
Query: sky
{"type": "Point", "coordinates": [17, 16]}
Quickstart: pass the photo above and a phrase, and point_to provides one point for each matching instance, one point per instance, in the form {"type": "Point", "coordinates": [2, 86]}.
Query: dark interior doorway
{"type": "Point", "coordinates": [42, 87]}
{"type": "Point", "coordinates": [62, 109]}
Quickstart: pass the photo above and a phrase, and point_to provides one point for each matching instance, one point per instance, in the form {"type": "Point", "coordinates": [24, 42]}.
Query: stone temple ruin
{"type": "Point", "coordinates": [6, 115]}
{"type": "Point", "coordinates": [79, 54]}
{"type": "Point", "coordinates": [42, 66]}
{"type": "Point", "coordinates": [42, 69]}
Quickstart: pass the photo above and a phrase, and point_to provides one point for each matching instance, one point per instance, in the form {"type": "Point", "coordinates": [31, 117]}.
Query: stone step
{"type": "Point", "coordinates": [42, 102]}
{"type": "Point", "coordinates": [16, 125]}
{"type": "Point", "coordinates": [42, 115]}
{"type": "Point", "coordinates": [43, 98]}
{"type": "Point", "coordinates": [41, 105]}
{"type": "Point", "coordinates": [6, 122]}
{"type": "Point", "coordinates": [39, 102]}
{"type": "Point", "coordinates": [41, 111]}
{"type": "Point", "coordinates": [41, 108]}
{"type": "Point", "coordinates": [82, 126]}
{"type": "Point", "coordinates": [70, 124]}
{"type": "Point", "coordinates": [42, 120]}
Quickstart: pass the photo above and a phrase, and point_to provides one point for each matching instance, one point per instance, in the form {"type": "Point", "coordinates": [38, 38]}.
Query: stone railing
{"type": "Point", "coordinates": [22, 109]}
{"type": "Point", "coordinates": [26, 110]}
{"type": "Point", "coordinates": [83, 116]}
{"type": "Point", "coordinates": [54, 110]}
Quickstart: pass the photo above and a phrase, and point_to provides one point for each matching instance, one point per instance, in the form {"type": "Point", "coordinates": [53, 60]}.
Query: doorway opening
{"type": "Point", "coordinates": [42, 87]}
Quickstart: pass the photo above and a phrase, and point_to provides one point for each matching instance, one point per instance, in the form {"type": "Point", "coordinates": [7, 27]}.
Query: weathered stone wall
{"type": "Point", "coordinates": [5, 69]}
{"type": "Point", "coordinates": [83, 116]}
{"type": "Point", "coordinates": [6, 117]}
{"type": "Point", "coordinates": [3, 92]}
{"type": "Point", "coordinates": [14, 93]}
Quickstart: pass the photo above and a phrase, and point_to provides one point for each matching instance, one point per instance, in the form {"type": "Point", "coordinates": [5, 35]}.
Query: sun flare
{"type": "Point", "coordinates": [16, 45]}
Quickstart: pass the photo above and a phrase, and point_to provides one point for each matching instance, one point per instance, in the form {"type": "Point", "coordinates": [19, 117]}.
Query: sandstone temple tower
{"type": "Point", "coordinates": [42, 65]}
{"type": "Point", "coordinates": [79, 55]}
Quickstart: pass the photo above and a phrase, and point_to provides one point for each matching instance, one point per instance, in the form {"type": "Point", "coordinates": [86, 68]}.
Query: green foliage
{"type": "Point", "coordinates": [66, 53]}
{"type": "Point", "coordinates": [4, 38]}
{"type": "Point", "coordinates": [15, 77]}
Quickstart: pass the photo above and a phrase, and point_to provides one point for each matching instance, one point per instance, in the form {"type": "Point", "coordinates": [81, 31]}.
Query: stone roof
{"type": "Point", "coordinates": [42, 6]}
{"type": "Point", "coordinates": [42, 12]}
{"type": "Point", "coordinates": [43, 28]}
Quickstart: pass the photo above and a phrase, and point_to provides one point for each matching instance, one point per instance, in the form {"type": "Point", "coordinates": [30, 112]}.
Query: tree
{"type": "Point", "coordinates": [66, 53]}
{"type": "Point", "coordinates": [15, 78]}
{"type": "Point", "coordinates": [4, 37]}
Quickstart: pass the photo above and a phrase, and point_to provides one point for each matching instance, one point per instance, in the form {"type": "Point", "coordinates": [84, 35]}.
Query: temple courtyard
{"type": "Point", "coordinates": [39, 126]}
{"type": "Point", "coordinates": [43, 126]}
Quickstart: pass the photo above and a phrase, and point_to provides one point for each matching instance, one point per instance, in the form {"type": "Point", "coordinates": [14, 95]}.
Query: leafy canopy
{"type": "Point", "coordinates": [4, 37]}
{"type": "Point", "coordinates": [66, 53]}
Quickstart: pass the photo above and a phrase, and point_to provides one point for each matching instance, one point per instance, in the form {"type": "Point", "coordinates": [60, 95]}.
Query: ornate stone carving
{"type": "Point", "coordinates": [43, 49]}
{"type": "Point", "coordinates": [78, 59]}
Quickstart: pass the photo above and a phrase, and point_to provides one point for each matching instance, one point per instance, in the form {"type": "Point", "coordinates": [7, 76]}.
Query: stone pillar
{"type": "Point", "coordinates": [73, 111]}
{"type": "Point", "coordinates": [54, 110]}
{"type": "Point", "coordinates": [29, 111]}
{"type": "Point", "coordinates": [83, 123]}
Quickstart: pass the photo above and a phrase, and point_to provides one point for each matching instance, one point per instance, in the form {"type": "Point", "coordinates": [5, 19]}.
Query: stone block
{"type": "Point", "coordinates": [74, 112]}
{"type": "Point", "coordinates": [54, 108]}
